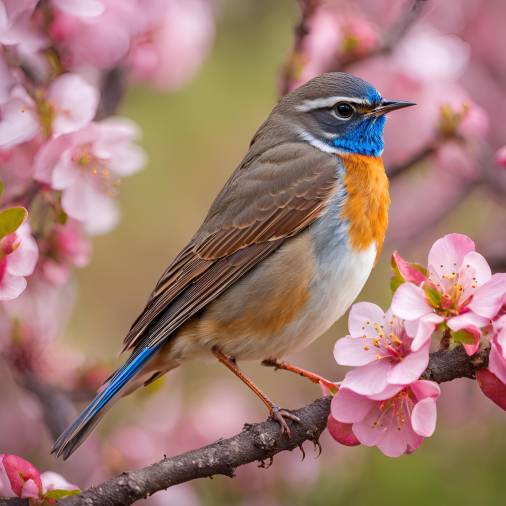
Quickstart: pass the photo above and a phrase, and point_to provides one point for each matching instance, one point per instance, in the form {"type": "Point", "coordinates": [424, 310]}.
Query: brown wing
{"type": "Point", "coordinates": [273, 197]}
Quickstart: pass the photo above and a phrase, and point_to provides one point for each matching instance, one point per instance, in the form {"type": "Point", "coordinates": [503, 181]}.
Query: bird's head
{"type": "Point", "coordinates": [338, 112]}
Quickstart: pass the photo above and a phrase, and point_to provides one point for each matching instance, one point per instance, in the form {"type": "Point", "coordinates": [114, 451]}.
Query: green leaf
{"type": "Point", "coordinates": [432, 294]}
{"type": "Point", "coordinates": [11, 219]}
{"type": "Point", "coordinates": [1, 188]}
{"type": "Point", "coordinates": [463, 337]}
{"type": "Point", "coordinates": [59, 493]}
{"type": "Point", "coordinates": [396, 280]}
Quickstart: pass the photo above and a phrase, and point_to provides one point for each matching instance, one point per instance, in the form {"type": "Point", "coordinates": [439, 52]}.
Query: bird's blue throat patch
{"type": "Point", "coordinates": [366, 138]}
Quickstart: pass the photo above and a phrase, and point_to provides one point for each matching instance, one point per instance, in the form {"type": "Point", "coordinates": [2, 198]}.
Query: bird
{"type": "Point", "coordinates": [285, 249]}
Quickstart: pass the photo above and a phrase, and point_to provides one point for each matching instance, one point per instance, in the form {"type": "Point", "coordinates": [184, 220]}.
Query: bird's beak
{"type": "Point", "coordinates": [390, 105]}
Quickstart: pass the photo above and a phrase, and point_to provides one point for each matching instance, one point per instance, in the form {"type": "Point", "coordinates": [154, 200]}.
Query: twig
{"type": "Point", "coordinates": [257, 442]}
{"type": "Point", "coordinates": [391, 38]}
{"type": "Point", "coordinates": [427, 151]}
{"type": "Point", "coordinates": [57, 409]}
{"type": "Point", "coordinates": [293, 64]}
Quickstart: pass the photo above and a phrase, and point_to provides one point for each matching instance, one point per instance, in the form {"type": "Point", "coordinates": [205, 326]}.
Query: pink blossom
{"type": "Point", "coordinates": [101, 41]}
{"type": "Point", "coordinates": [38, 316]}
{"type": "Point", "coordinates": [380, 350]}
{"type": "Point", "coordinates": [87, 165]}
{"type": "Point", "coordinates": [13, 14]}
{"type": "Point", "coordinates": [170, 41]}
{"type": "Point", "coordinates": [395, 422]}
{"type": "Point", "coordinates": [497, 357]}
{"type": "Point", "coordinates": [18, 477]}
{"type": "Point", "coordinates": [18, 119]}
{"type": "Point", "coordinates": [66, 247]}
{"type": "Point", "coordinates": [69, 104]}
{"type": "Point", "coordinates": [500, 157]}
{"type": "Point", "coordinates": [18, 256]}
{"type": "Point", "coordinates": [459, 291]}
{"type": "Point", "coordinates": [333, 34]}
{"type": "Point", "coordinates": [80, 8]}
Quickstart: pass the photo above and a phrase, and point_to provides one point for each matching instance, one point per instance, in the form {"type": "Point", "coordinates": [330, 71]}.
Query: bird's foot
{"type": "Point", "coordinates": [280, 416]}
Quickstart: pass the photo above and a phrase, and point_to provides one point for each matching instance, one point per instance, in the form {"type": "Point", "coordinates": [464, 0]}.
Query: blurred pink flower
{"type": "Point", "coordinates": [38, 316]}
{"type": "Point", "coordinates": [87, 165]}
{"type": "Point", "coordinates": [380, 350]}
{"type": "Point", "coordinates": [460, 291]}
{"type": "Point", "coordinates": [80, 8]}
{"type": "Point", "coordinates": [171, 39]}
{"type": "Point", "coordinates": [13, 14]}
{"type": "Point", "coordinates": [18, 257]}
{"type": "Point", "coordinates": [444, 56]}
{"type": "Point", "coordinates": [396, 423]}
{"type": "Point", "coordinates": [497, 357]}
{"type": "Point", "coordinates": [17, 169]}
{"type": "Point", "coordinates": [69, 104]}
{"type": "Point", "coordinates": [500, 157]}
{"type": "Point", "coordinates": [333, 34]}
{"type": "Point", "coordinates": [18, 477]}
{"type": "Point", "coordinates": [67, 247]}
{"type": "Point", "coordinates": [101, 41]}
{"type": "Point", "coordinates": [18, 119]}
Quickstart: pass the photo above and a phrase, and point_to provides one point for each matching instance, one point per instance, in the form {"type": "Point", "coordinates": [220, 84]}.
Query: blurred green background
{"type": "Point", "coordinates": [194, 138]}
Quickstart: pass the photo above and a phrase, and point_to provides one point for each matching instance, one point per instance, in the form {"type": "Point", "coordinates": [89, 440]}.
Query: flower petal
{"type": "Point", "coordinates": [369, 379]}
{"type": "Point", "coordinates": [19, 123]}
{"type": "Point", "coordinates": [22, 261]}
{"type": "Point", "coordinates": [342, 432]}
{"type": "Point", "coordinates": [492, 387]}
{"type": "Point", "coordinates": [409, 302]}
{"type": "Point", "coordinates": [351, 351]}
{"type": "Point", "coordinates": [363, 316]}
{"type": "Point", "coordinates": [497, 363]}
{"type": "Point", "coordinates": [410, 368]}
{"type": "Point", "coordinates": [11, 286]}
{"type": "Point", "coordinates": [75, 101]}
{"type": "Point", "coordinates": [424, 416]}
{"type": "Point", "coordinates": [447, 253]}
{"type": "Point", "coordinates": [479, 265]}
{"type": "Point", "coordinates": [423, 330]}
{"type": "Point", "coordinates": [424, 388]}
{"type": "Point", "coordinates": [490, 297]}
{"type": "Point", "coordinates": [348, 407]}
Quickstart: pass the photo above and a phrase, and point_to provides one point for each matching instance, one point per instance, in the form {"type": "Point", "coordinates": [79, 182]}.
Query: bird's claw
{"type": "Point", "coordinates": [280, 415]}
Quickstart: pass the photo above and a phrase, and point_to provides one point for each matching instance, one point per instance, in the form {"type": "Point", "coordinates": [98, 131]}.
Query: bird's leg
{"type": "Point", "coordinates": [276, 413]}
{"type": "Point", "coordinates": [311, 376]}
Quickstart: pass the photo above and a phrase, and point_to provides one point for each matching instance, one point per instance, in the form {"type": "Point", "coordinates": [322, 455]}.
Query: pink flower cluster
{"type": "Point", "coordinates": [20, 478]}
{"type": "Point", "coordinates": [383, 401]}
{"type": "Point", "coordinates": [62, 160]}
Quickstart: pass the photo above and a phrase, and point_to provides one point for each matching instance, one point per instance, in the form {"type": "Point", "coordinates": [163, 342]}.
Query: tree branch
{"type": "Point", "coordinates": [391, 37]}
{"type": "Point", "coordinates": [257, 442]}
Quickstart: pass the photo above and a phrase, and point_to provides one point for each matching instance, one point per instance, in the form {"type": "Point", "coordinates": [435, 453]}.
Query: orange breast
{"type": "Point", "coordinates": [367, 202]}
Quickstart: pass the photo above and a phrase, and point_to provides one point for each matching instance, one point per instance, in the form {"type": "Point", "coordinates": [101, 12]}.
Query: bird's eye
{"type": "Point", "coordinates": [343, 110]}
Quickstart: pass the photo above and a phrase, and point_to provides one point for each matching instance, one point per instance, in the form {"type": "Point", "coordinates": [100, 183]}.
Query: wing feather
{"type": "Point", "coordinates": [274, 197]}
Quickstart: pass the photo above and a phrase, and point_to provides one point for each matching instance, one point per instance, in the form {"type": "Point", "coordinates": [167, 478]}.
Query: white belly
{"type": "Point", "coordinates": [337, 284]}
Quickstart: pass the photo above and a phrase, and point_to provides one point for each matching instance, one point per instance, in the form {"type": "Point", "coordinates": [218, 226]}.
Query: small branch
{"type": "Point", "coordinates": [257, 442]}
{"type": "Point", "coordinates": [427, 151]}
{"type": "Point", "coordinates": [447, 365]}
{"type": "Point", "coordinates": [294, 62]}
{"type": "Point", "coordinates": [57, 409]}
{"type": "Point", "coordinates": [391, 38]}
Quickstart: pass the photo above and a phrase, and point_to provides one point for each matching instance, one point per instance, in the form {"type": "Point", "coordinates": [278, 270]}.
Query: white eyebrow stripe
{"type": "Point", "coordinates": [319, 103]}
{"type": "Point", "coordinates": [317, 143]}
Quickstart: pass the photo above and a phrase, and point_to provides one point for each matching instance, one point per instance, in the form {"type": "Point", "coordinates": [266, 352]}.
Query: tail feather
{"type": "Point", "coordinates": [77, 432]}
